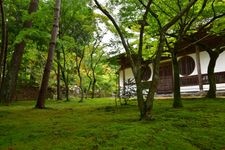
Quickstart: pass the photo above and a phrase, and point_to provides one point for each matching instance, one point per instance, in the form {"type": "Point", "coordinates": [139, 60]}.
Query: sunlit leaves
{"type": "Point", "coordinates": [219, 27]}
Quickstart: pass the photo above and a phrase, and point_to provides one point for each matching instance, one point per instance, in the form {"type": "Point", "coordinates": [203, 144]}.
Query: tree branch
{"type": "Point", "coordinates": [195, 42]}
{"type": "Point", "coordinates": [143, 24]}
{"type": "Point", "coordinates": [200, 11]}
{"type": "Point", "coordinates": [104, 11]}
{"type": "Point", "coordinates": [178, 16]}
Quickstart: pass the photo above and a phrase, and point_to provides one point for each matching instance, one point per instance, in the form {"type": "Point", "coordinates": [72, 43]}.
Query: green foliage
{"type": "Point", "coordinates": [98, 124]}
{"type": "Point", "coordinates": [77, 27]}
{"type": "Point", "coordinates": [77, 34]}
{"type": "Point", "coordinates": [32, 34]}
{"type": "Point", "coordinates": [219, 26]}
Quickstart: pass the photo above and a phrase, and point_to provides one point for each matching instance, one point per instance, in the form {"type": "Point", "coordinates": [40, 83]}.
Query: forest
{"type": "Point", "coordinates": [78, 63]}
{"type": "Point", "coordinates": [56, 51]}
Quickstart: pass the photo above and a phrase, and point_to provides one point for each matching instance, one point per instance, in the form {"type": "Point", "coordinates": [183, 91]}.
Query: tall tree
{"type": "Point", "coordinates": [76, 29]}
{"type": "Point", "coordinates": [94, 57]}
{"type": "Point", "coordinates": [44, 85]}
{"type": "Point", "coordinates": [218, 14]}
{"type": "Point", "coordinates": [58, 75]}
{"type": "Point", "coordinates": [162, 32]}
{"type": "Point", "coordinates": [79, 60]}
{"type": "Point", "coordinates": [93, 69]}
{"type": "Point", "coordinates": [178, 33]}
{"type": "Point", "coordinates": [3, 51]}
{"type": "Point", "coordinates": [213, 54]}
{"type": "Point", "coordinates": [146, 106]}
{"type": "Point", "coordinates": [9, 83]}
{"type": "Point", "coordinates": [207, 28]}
{"type": "Point", "coordinates": [65, 75]}
{"type": "Point", "coordinates": [204, 18]}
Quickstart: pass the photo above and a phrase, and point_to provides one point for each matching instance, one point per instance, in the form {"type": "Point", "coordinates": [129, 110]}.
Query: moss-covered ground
{"type": "Point", "coordinates": [98, 124]}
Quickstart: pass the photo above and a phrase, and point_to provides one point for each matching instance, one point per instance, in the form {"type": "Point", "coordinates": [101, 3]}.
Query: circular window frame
{"type": "Point", "coordinates": [186, 65]}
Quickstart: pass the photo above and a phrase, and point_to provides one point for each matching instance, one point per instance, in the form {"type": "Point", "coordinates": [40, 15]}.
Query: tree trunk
{"type": "Point", "coordinates": [140, 100]}
{"type": "Point", "coordinates": [162, 31]}
{"type": "Point", "coordinates": [65, 80]}
{"type": "Point", "coordinates": [65, 75]}
{"type": "Point", "coordinates": [147, 106]}
{"type": "Point", "coordinates": [4, 60]}
{"type": "Point", "coordinates": [44, 85]}
{"type": "Point", "coordinates": [81, 85]}
{"type": "Point", "coordinates": [9, 85]}
{"type": "Point", "coordinates": [58, 75]}
{"type": "Point", "coordinates": [153, 87]}
{"type": "Point", "coordinates": [78, 67]}
{"type": "Point", "coordinates": [177, 103]}
{"type": "Point", "coordinates": [93, 85]}
{"type": "Point", "coordinates": [4, 38]}
{"type": "Point", "coordinates": [211, 76]}
{"type": "Point", "coordinates": [67, 87]}
{"type": "Point", "coordinates": [89, 85]}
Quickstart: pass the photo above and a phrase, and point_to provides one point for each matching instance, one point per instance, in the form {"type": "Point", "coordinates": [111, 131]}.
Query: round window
{"type": "Point", "coordinates": [145, 72]}
{"type": "Point", "coordinates": [186, 65]}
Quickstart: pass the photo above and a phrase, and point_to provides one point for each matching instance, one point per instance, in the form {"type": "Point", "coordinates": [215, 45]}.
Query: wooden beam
{"type": "Point", "coordinates": [198, 65]}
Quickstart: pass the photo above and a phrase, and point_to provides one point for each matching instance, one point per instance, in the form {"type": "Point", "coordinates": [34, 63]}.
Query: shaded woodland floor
{"type": "Point", "coordinates": [98, 124]}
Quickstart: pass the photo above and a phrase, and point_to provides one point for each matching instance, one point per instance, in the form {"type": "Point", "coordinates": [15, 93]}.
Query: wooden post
{"type": "Point", "coordinates": [124, 78]}
{"type": "Point", "coordinates": [198, 64]}
{"type": "Point", "coordinates": [118, 84]}
{"type": "Point", "coordinates": [117, 94]}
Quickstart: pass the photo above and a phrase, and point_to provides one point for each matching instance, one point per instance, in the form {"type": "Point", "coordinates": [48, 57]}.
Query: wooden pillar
{"type": "Point", "coordinates": [124, 78]}
{"type": "Point", "coordinates": [198, 64]}
{"type": "Point", "coordinates": [117, 94]}
{"type": "Point", "coordinates": [120, 92]}
{"type": "Point", "coordinates": [118, 82]}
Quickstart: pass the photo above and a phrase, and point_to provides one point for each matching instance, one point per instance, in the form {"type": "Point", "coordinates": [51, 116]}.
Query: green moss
{"type": "Point", "coordinates": [97, 124]}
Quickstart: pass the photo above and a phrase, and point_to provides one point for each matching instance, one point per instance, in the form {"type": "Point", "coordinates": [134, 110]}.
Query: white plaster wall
{"type": "Point", "coordinates": [204, 61]}
{"type": "Point", "coordinates": [195, 88]}
{"type": "Point", "coordinates": [220, 86]}
{"type": "Point", "coordinates": [121, 78]}
{"type": "Point", "coordinates": [184, 89]}
{"type": "Point", "coordinates": [220, 63]}
{"type": "Point", "coordinates": [151, 67]}
{"type": "Point", "coordinates": [128, 74]}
